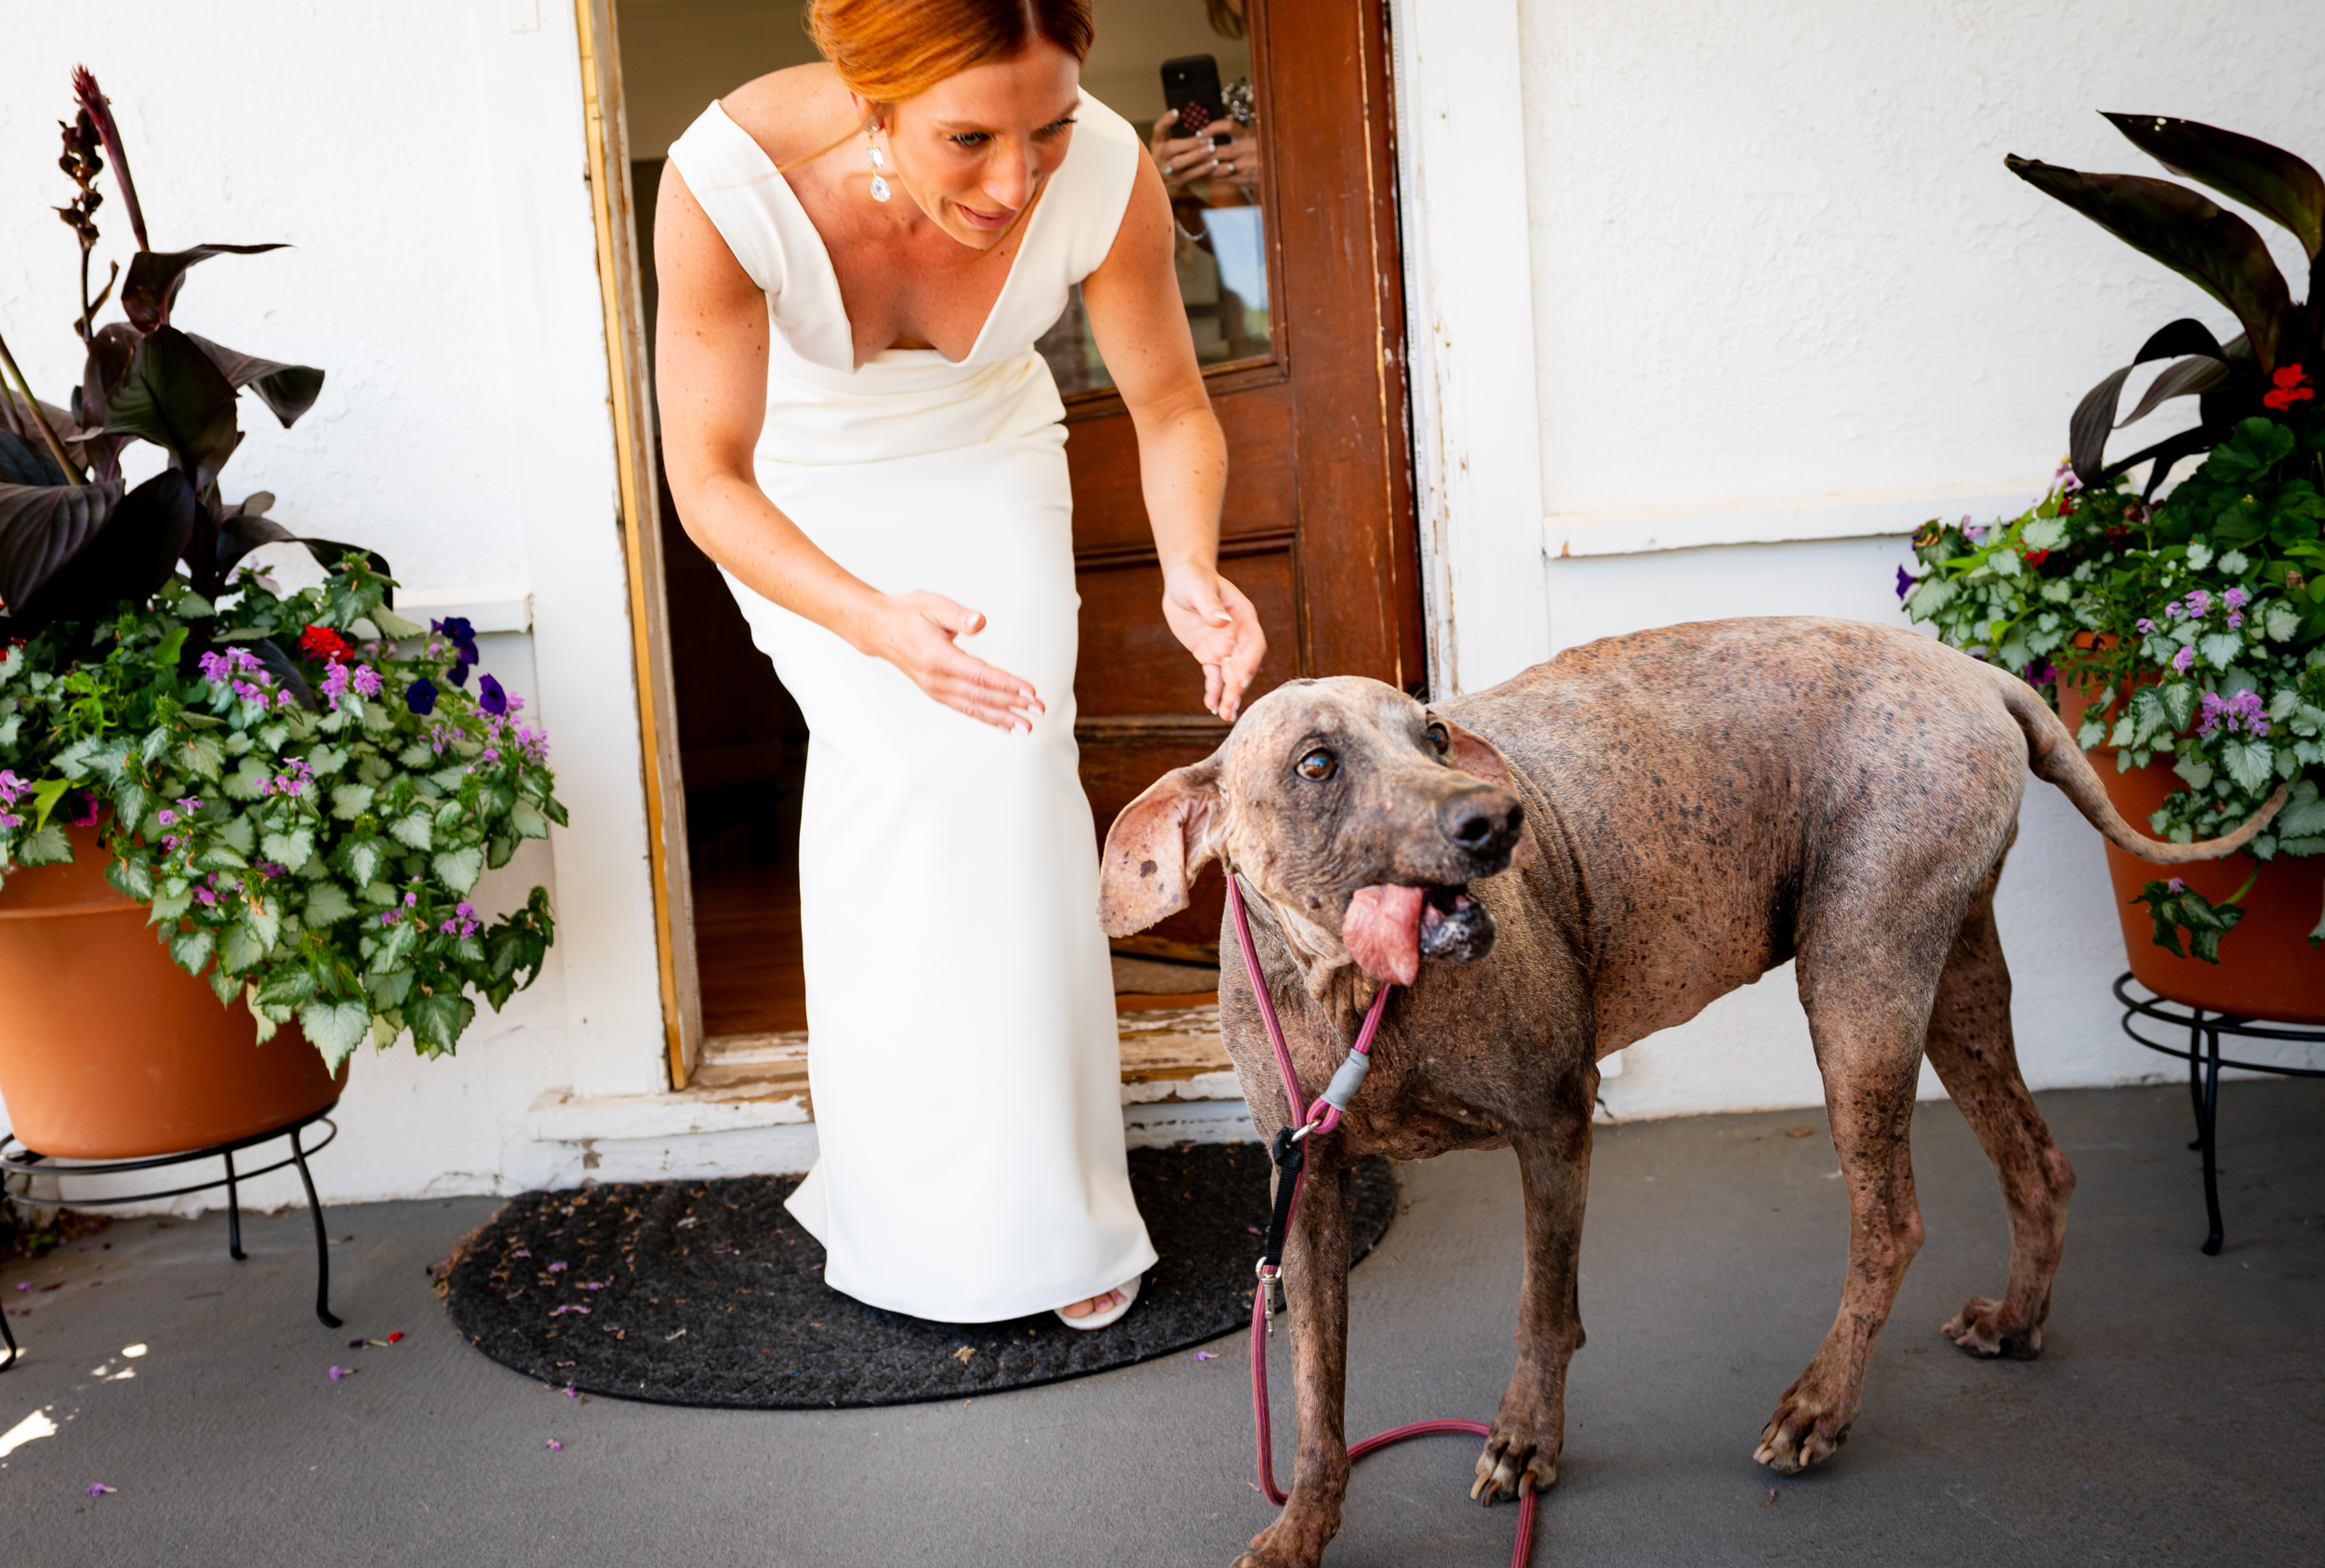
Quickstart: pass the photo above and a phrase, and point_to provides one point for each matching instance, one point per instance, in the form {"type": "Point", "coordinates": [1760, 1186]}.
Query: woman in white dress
{"type": "Point", "coordinates": [855, 259]}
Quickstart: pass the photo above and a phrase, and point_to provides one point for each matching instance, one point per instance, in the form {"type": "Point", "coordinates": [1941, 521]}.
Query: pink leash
{"type": "Point", "coordinates": [1291, 1166]}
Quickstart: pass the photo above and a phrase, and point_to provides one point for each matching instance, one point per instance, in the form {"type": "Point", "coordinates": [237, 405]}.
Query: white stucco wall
{"type": "Point", "coordinates": [1784, 289]}
{"type": "Point", "coordinates": [426, 160]}
{"type": "Point", "coordinates": [1751, 282]}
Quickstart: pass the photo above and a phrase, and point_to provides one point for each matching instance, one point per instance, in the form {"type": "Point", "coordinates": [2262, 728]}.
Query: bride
{"type": "Point", "coordinates": [855, 258]}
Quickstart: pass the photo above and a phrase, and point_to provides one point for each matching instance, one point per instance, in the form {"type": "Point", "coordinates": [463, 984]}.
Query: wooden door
{"type": "Point", "coordinates": [1318, 528]}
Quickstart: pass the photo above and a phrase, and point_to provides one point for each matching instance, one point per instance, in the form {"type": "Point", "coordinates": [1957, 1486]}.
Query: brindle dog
{"type": "Point", "coordinates": [1676, 813]}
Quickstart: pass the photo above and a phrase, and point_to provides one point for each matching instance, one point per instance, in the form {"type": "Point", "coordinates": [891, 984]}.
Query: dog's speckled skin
{"type": "Point", "coordinates": [1700, 803]}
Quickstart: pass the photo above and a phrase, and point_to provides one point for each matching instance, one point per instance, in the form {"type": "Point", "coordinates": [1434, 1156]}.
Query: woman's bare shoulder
{"type": "Point", "coordinates": [794, 113]}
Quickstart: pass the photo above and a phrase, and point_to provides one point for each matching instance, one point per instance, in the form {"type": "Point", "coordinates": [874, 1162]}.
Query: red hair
{"type": "Point", "coordinates": [889, 50]}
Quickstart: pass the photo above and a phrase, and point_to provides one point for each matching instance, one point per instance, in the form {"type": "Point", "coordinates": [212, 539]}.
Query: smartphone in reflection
{"type": "Point", "coordinates": [1190, 84]}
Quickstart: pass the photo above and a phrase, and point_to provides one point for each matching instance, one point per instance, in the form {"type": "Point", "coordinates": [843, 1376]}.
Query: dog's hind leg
{"type": "Point", "coordinates": [1522, 1448]}
{"type": "Point", "coordinates": [1867, 1012]}
{"type": "Point", "coordinates": [1316, 1287]}
{"type": "Point", "coordinates": [1971, 1046]}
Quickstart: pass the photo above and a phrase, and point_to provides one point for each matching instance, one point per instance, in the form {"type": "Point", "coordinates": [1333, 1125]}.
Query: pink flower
{"type": "Point", "coordinates": [2182, 660]}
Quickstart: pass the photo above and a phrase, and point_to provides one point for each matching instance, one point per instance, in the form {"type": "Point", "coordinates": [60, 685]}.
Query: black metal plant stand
{"type": "Point", "coordinates": [2204, 1062]}
{"type": "Point", "coordinates": [17, 1159]}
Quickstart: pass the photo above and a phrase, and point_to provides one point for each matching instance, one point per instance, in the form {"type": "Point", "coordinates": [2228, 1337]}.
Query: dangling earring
{"type": "Point", "coordinates": [879, 159]}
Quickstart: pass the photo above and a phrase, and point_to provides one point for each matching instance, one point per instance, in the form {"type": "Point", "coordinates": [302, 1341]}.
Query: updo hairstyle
{"type": "Point", "coordinates": [889, 50]}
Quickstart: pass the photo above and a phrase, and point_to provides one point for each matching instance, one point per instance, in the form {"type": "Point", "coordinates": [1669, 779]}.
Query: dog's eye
{"type": "Point", "coordinates": [1440, 737]}
{"type": "Point", "coordinates": [1319, 763]}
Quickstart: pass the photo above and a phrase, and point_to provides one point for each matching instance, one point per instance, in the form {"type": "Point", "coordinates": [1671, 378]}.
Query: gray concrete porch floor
{"type": "Point", "coordinates": [2178, 1415]}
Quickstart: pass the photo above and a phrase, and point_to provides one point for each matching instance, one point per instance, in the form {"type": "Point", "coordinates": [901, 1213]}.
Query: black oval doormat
{"type": "Point", "coordinates": [708, 1293]}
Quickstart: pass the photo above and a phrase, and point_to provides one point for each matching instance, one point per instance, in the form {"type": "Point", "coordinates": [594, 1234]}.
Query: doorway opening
{"type": "Point", "coordinates": [1322, 439]}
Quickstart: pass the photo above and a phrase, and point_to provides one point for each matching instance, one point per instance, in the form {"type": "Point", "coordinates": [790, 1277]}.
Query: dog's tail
{"type": "Point", "coordinates": [2054, 757]}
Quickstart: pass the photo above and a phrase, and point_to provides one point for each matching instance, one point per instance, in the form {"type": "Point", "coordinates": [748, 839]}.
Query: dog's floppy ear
{"type": "Point", "coordinates": [1156, 846]}
{"type": "Point", "coordinates": [1481, 759]}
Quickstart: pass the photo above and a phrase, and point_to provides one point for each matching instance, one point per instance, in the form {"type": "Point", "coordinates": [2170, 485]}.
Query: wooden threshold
{"type": "Point", "coordinates": [1169, 1053]}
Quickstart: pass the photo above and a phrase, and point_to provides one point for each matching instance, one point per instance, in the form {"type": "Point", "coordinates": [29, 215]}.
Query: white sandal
{"type": "Point", "coordinates": [1105, 1315]}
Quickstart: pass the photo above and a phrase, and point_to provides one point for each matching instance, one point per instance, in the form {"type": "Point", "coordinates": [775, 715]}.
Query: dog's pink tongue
{"type": "Point", "coordinates": [1382, 932]}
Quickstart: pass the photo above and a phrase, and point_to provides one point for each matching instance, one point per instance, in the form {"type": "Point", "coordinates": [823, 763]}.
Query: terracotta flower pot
{"type": "Point", "coordinates": [108, 1050]}
{"type": "Point", "coordinates": [2267, 968]}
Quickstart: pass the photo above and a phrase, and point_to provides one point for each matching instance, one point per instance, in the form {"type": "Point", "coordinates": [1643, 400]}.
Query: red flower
{"type": "Point", "coordinates": [2288, 389]}
{"type": "Point", "coordinates": [322, 643]}
{"type": "Point", "coordinates": [2037, 557]}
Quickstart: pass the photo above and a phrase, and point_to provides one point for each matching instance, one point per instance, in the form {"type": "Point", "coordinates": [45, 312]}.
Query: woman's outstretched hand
{"type": "Point", "coordinates": [916, 632]}
{"type": "Point", "coordinates": [1212, 619]}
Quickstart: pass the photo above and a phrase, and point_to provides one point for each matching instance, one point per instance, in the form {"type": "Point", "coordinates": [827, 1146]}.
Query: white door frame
{"type": "Point", "coordinates": [1477, 433]}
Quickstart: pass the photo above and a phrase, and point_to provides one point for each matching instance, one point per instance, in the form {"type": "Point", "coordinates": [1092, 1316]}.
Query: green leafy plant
{"type": "Point", "coordinates": [299, 783]}
{"type": "Point", "coordinates": [2202, 611]}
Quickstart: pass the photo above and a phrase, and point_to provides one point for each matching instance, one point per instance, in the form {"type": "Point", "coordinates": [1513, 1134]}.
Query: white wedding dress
{"type": "Point", "coordinates": [963, 1056]}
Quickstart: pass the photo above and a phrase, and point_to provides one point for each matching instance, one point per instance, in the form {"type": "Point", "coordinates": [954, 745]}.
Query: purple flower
{"type": "Point", "coordinates": [493, 701]}
{"type": "Point", "coordinates": [2146, 625]}
{"type": "Point", "coordinates": [2040, 672]}
{"type": "Point", "coordinates": [2236, 619]}
{"type": "Point", "coordinates": [13, 788]}
{"type": "Point", "coordinates": [1206, 1356]}
{"type": "Point", "coordinates": [420, 697]}
{"type": "Point", "coordinates": [2243, 711]}
{"type": "Point", "coordinates": [2236, 598]}
{"type": "Point", "coordinates": [570, 1306]}
{"type": "Point", "coordinates": [2175, 609]}
{"type": "Point", "coordinates": [221, 668]}
{"type": "Point", "coordinates": [2182, 660]}
{"type": "Point", "coordinates": [462, 636]}
{"type": "Point", "coordinates": [100, 1490]}
{"type": "Point", "coordinates": [338, 1372]}
{"type": "Point", "coordinates": [559, 1267]}
{"type": "Point", "coordinates": [1905, 586]}
{"type": "Point", "coordinates": [554, 1447]}
{"type": "Point", "coordinates": [366, 680]}
{"type": "Point", "coordinates": [2176, 885]}
{"type": "Point", "coordinates": [167, 818]}
{"type": "Point", "coordinates": [460, 632]}
{"type": "Point", "coordinates": [2198, 602]}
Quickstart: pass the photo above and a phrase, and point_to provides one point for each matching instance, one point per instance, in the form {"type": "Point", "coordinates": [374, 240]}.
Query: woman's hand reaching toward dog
{"type": "Point", "coordinates": [1214, 621]}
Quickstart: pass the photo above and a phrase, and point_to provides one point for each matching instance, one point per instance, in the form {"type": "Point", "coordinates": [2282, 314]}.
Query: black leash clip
{"type": "Point", "coordinates": [1291, 1157]}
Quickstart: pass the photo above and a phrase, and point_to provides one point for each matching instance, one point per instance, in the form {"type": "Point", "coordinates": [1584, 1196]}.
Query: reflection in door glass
{"type": "Point", "coordinates": [1180, 72]}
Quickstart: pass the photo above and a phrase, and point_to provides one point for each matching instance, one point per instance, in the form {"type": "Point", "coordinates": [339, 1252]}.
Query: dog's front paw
{"type": "Point", "coordinates": [1805, 1431]}
{"type": "Point", "coordinates": [1984, 1329]}
{"type": "Point", "coordinates": [1285, 1544]}
{"type": "Point", "coordinates": [1518, 1458]}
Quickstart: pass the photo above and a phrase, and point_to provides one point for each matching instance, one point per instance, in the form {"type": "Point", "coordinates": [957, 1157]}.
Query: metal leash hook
{"type": "Point", "coordinates": [1291, 1159]}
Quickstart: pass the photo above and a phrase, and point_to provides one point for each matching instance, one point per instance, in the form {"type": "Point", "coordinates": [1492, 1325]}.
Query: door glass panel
{"type": "Point", "coordinates": [1221, 225]}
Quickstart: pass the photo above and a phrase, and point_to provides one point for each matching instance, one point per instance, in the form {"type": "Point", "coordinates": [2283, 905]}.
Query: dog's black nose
{"type": "Point", "coordinates": [1480, 819]}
